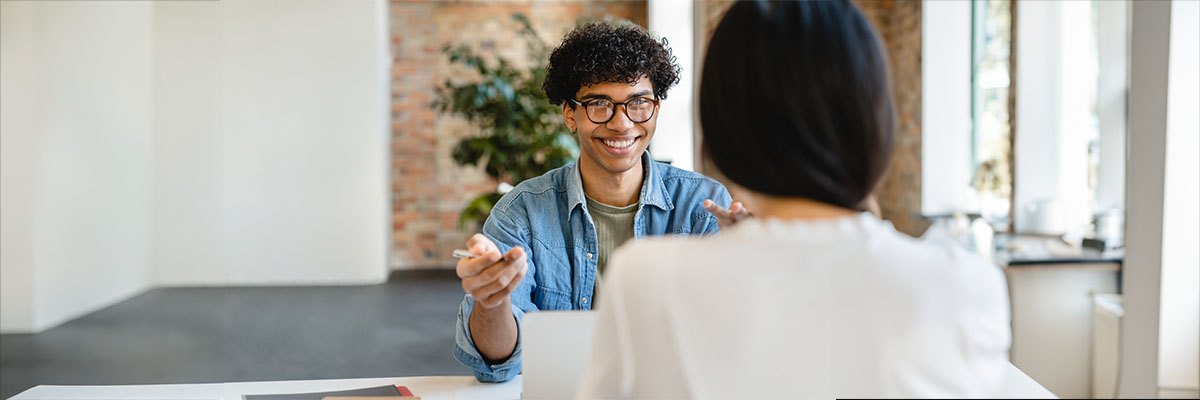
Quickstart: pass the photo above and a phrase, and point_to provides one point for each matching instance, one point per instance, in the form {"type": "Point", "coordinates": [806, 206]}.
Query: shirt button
{"type": "Point", "coordinates": [589, 255]}
{"type": "Point", "coordinates": [585, 300]}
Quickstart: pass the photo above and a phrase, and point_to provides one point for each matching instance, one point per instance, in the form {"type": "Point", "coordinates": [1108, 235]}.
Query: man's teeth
{"type": "Point", "coordinates": [619, 144]}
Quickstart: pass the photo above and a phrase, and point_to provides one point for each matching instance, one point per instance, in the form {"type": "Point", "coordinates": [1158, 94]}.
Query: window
{"type": "Point", "coordinates": [1023, 116]}
{"type": "Point", "coordinates": [1070, 110]}
{"type": "Point", "coordinates": [991, 139]}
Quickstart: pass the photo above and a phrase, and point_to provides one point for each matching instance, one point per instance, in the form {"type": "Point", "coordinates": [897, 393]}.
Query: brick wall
{"type": "Point", "coordinates": [899, 22]}
{"type": "Point", "coordinates": [428, 188]}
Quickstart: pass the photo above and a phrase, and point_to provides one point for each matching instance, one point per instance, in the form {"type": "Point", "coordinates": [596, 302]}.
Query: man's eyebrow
{"type": "Point", "coordinates": [606, 97]}
{"type": "Point", "coordinates": [638, 94]}
{"type": "Point", "coordinates": [595, 96]}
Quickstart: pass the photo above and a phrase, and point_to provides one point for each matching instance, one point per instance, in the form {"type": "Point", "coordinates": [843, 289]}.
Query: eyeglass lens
{"type": "Point", "coordinates": [638, 110]}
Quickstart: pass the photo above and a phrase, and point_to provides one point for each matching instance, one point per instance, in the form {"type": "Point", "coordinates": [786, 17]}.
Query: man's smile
{"type": "Point", "coordinates": [619, 145]}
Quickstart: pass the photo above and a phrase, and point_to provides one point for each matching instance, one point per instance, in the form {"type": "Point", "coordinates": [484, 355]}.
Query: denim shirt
{"type": "Point", "coordinates": [548, 217]}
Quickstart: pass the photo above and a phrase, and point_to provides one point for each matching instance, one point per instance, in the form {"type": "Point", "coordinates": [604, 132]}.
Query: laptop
{"type": "Point", "coordinates": [555, 348]}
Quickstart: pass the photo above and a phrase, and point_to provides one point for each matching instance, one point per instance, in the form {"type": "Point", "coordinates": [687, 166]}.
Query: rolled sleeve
{"type": "Point", "coordinates": [466, 353]}
{"type": "Point", "coordinates": [506, 232]}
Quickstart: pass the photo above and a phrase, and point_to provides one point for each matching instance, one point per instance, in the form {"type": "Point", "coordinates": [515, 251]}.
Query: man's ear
{"type": "Point", "coordinates": [569, 116]}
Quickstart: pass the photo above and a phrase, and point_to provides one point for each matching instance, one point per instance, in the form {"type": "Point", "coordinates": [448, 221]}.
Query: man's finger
{"type": "Point", "coordinates": [515, 253]}
{"type": "Point", "coordinates": [498, 270]}
{"type": "Point", "coordinates": [473, 240]}
{"type": "Point", "coordinates": [468, 267]}
{"type": "Point", "coordinates": [500, 276]}
{"type": "Point", "coordinates": [715, 209]}
{"type": "Point", "coordinates": [711, 205]}
{"type": "Point", "coordinates": [509, 265]}
{"type": "Point", "coordinates": [739, 212]}
{"type": "Point", "coordinates": [496, 298]}
{"type": "Point", "coordinates": [463, 268]}
{"type": "Point", "coordinates": [502, 279]}
{"type": "Point", "coordinates": [479, 244]}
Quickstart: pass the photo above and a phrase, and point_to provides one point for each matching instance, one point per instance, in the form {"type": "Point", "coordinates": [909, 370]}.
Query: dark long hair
{"type": "Point", "coordinates": [795, 101]}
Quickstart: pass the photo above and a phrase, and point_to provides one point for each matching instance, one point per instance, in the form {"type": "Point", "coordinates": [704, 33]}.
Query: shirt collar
{"type": "Point", "coordinates": [653, 189]}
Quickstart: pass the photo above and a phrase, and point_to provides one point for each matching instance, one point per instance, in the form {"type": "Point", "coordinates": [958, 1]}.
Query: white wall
{"type": "Point", "coordinates": [1179, 333]}
{"type": "Point", "coordinates": [189, 143]}
{"type": "Point", "coordinates": [305, 90]}
{"type": "Point", "coordinates": [274, 142]}
{"type": "Point", "coordinates": [946, 106]}
{"type": "Point", "coordinates": [1141, 278]}
{"type": "Point", "coordinates": [187, 178]}
{"type": "Point", "coordinates": [77, 232]}
{"type": "Point", "coordinates": [19, 98]}
{"type": "Point", "coordinates": [674, 139]}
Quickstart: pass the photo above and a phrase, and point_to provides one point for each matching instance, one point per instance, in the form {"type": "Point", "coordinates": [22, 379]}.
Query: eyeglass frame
{"type": "Point", "coordinates": [623, 105]}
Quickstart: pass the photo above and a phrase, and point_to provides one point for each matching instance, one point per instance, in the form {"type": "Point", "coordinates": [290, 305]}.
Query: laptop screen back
{"type": "Point", "coordinates": [555, 348]}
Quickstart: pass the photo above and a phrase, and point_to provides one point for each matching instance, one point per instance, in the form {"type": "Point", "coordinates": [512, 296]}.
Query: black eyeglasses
{"type": "Point", "coordinates": [600, 111]}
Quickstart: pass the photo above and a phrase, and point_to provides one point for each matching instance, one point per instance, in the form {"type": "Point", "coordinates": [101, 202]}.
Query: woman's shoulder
{"type": "Point", "coordinates": [650, 264]}
{"type": "Point", "coordinates": [656, 252]}
{"type": "Point", "coordinates": [941, 274]}
{"type": "Point", "coordinates": [860, 246]}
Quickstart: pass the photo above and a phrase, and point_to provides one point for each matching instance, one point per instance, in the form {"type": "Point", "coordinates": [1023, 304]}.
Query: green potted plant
{"type": "Point", "coordinates": [521, 135]}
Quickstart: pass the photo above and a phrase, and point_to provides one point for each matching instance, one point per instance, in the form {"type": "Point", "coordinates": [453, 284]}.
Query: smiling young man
{"type": "Point", "coordinates": [546, 242]}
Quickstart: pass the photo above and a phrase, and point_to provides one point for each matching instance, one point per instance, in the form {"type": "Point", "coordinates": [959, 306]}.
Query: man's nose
{"type": "Point", "coordinates": [620, 120]}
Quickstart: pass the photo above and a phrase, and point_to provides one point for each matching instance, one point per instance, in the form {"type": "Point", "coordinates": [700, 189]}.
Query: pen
{"type": "Point", "coordinates": [460, 253]}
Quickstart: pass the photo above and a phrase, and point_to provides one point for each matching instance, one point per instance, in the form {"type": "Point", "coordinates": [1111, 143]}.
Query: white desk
{"type": "Point", "coordinates": [1017, 386]}
{"type": "Point", "coordinates": [427, 387]}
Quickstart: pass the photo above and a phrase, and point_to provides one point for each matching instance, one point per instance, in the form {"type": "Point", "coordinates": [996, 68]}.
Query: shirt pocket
{"type": "Point", "coordinates": [690, 225]}
{"type": "Point", "coordinates": [700, 221]}
{"type": "Point", "coordinates": [548, 299]}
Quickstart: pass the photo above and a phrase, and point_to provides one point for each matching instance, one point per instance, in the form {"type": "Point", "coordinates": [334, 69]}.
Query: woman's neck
{"type": "Point", "coordinates": [794, 208]}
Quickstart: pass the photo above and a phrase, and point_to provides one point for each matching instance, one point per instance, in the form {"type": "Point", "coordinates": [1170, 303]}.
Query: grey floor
{"type": "Point", "coordinates": [200, 335]}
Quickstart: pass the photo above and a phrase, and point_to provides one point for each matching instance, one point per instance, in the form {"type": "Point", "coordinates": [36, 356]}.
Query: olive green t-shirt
{"type": "Point", "coordinates": [614, 225]}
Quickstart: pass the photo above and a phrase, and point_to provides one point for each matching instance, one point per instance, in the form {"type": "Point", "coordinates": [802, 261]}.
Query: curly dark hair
{"type": "Point", "coordinates": [600, 52]}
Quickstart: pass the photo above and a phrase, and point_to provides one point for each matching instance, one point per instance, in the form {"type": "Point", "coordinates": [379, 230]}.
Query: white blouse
{"type": "Point", "coordinates": [846, 307]}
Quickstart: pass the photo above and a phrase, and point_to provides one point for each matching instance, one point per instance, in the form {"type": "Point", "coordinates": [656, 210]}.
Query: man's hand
{"type": "Point", "coordinates": [491, 278]}
{"type": "Point", "coordinates": [728, 217]}
{"type": "Point", "coordinates": [488, 276]}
